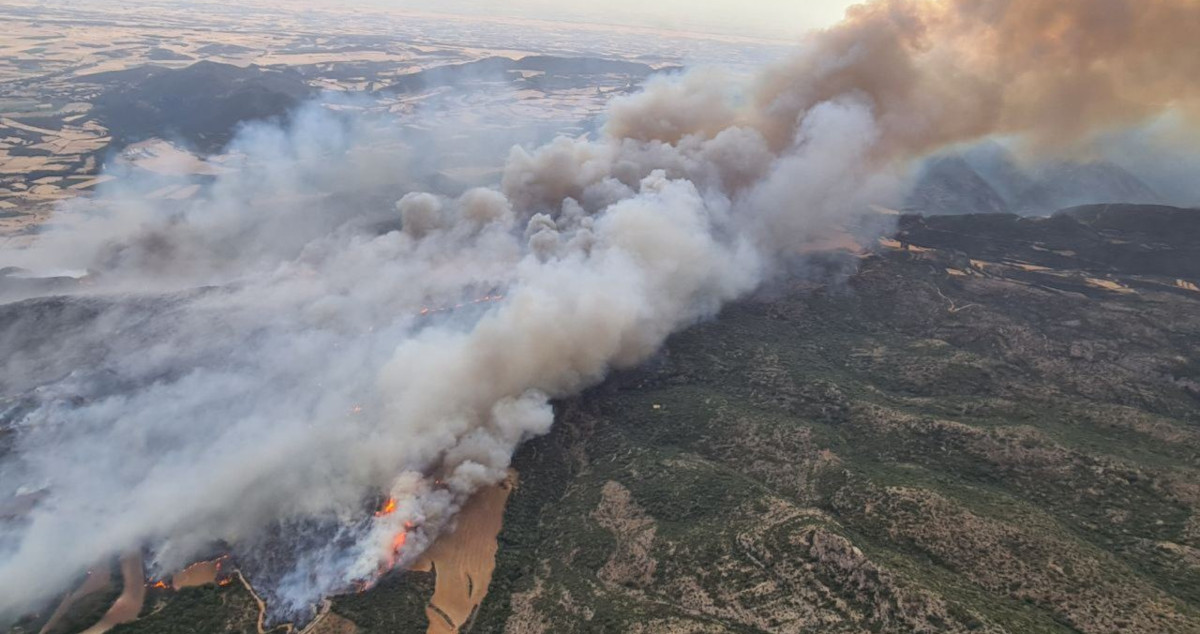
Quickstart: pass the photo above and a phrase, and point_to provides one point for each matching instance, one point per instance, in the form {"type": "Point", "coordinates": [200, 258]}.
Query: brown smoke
{"type": "Point", "coordinates": [940, 72]}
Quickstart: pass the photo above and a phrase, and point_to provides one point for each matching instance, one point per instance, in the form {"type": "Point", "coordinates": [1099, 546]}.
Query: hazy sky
{"type": "Point", "coordinates": [776, 18]}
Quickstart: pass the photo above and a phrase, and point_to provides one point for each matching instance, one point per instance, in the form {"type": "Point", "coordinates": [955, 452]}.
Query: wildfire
{"type": "Point", "coordinates": [401, 537]}
{"type": "Point", "coordinates": [397, 545]}
{"type": "Point", "coordinates": [160, 585]}
{"type": "Point", "coordinates": [389, 560]}
{"type": "Point", "coordinates": [388, 508]}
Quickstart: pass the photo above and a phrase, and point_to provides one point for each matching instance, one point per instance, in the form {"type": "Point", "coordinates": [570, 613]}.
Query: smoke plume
{"type": "Point", "coordinates": [254, 369]}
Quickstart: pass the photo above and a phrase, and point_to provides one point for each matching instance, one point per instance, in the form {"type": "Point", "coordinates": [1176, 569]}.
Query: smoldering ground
{"type": "Point", "coordinates": [291, 364]}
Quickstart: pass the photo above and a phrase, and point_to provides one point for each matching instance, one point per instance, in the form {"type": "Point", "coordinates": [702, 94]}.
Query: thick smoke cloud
{"type": "Point", "coordinates": [938, 73]}
{"type": "Point", "coordinates": [294, 361]}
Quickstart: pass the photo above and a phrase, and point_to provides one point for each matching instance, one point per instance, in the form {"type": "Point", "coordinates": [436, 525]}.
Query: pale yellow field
{"type": "Point", "coordinates": [97, 580]}
{"type": "Point", "coordinates": [198, 574]}
{"type": "Point", "coordinates": [330, 623]}
{"type": "Point", "coordinates": [464, 559]}
{"type": "Point", "coordinates": [1109, 285]}
{"type": "Point", "coordinates": [127, 606]}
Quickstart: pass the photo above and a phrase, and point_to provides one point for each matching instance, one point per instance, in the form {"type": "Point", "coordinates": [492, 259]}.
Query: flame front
{"type": "Point", "coordinates": [393, 554]}
{"type": "Point", "coordinates": [388, 508]}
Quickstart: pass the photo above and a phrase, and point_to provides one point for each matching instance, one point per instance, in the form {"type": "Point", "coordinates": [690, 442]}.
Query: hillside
{"type": "Point", "coordinates": [202, 104]}
{"type": "Point", "coordinates": [990, 426]}
{"type": "Point", "coordinates": [949, 440]}
{"type": "Point", "coordinates": [988, 178]}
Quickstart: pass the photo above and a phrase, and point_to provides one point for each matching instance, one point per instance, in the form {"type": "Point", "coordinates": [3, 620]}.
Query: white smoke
{"type": "Point", "coordinates": [294, 362]}
{"type": "Point", "coordinates": [304, 378]}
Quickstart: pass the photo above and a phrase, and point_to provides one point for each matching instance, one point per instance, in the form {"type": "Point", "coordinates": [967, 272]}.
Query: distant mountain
{"type": "Point", "coordinates": [202, 103]}
{"type": "Point", "coordinates": [220, 48]}
{"type": "Point", "coordinates": [1066, 184]}
{"type": "Point", "coordinates": [160, 54]}
{"type": "Point", "coordinates": [504, 68]}
{"type": "Point", "coordinates": [997, 165]}
{"type": "Point", "coordinates": [988, 179]}
{"type": "Point", "coordinates": [949, 185]}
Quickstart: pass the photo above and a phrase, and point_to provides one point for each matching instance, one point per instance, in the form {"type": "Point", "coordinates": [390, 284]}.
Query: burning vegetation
{"type": "Point", "coordinates": [389, 507]}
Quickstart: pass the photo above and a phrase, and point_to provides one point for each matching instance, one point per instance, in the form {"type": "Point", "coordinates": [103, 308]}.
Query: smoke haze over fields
{"type": "Point", "coordinates": [283, 364]}
{"type": "Point", "coordinates": [778, 18]}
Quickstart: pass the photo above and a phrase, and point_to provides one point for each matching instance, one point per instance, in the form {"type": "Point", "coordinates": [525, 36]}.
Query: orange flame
{"type": "Point", "coordinates": [161, 585]}
{"type": "Point", "coordinates": [388, 508]}
{"type": "Point", "coordinates": [397, 545]}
